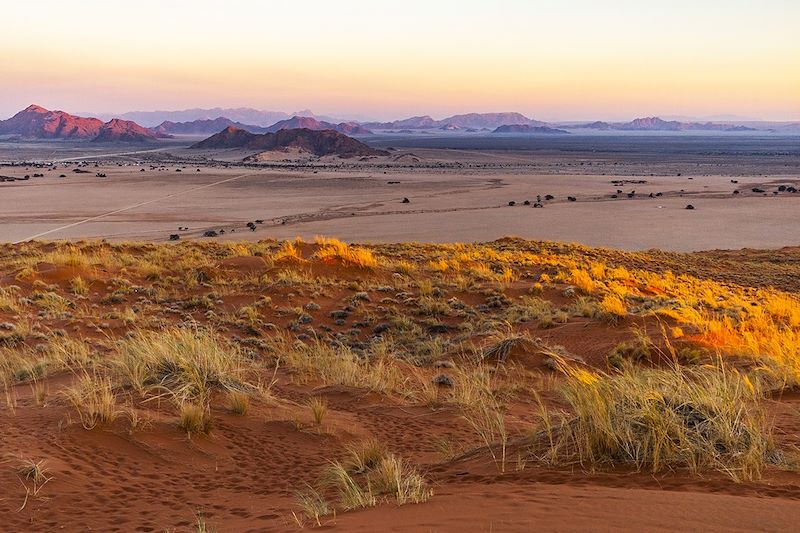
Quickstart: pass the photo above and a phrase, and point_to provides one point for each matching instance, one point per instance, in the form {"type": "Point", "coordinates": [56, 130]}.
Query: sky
{"type": "Point", "coordinates": [549, 59]}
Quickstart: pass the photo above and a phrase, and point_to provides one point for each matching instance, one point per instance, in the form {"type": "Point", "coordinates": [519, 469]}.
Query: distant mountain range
{"type": "Point", "coordinates": [240, 115]}
{"type": "Point", "coordinates": [243, 115]}
{"type": "Point", "coordinates": [296, 122]}
{"type": "Point", "coordinates": [456, 122]}
{"type": "Point", "coordinates": [657, 124]}
{"type": "Point", "coordinates": [203, 127]}
{"type": "Point", "coordinates": [208, 126]}
{"type": "Point", "coordinates": [319, 143]}
{"type": "Point", "coordinates": [36, 122]}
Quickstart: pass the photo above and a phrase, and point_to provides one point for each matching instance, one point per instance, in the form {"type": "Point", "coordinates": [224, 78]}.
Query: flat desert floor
{"type": "Point", "coordinates": [457, 190]}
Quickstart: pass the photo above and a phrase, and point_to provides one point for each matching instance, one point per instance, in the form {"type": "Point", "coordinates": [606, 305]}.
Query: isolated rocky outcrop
{"type": "Point", "coordinates": [490, 120]}
{"type": "Point", "coordinates": [527, 128]}
{"type": "Point", "coordinates": [316, 142]}
{"type": "Point", "coordinates": [118, 130]}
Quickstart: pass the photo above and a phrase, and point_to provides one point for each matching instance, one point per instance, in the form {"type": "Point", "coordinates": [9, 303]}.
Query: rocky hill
{"type": "Point", "coordinates": [36, 122]}
{"type": "Point", "coordinates": [316, 142]}
{"type": "Point", "coordinates": [527, 128]}
{"type": "Point", "coordinates": [118, 130]}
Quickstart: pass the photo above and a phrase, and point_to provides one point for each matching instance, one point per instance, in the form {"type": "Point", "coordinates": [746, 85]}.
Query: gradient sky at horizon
{"type": "Point", "coordinates": [552, 60]}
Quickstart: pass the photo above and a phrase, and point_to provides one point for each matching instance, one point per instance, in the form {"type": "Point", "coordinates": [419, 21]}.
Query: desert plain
{"type": "Point", "coordinates": [458, 190]}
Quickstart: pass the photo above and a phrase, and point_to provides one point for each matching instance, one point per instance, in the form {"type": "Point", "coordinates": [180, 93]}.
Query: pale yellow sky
{"type": "Point", "coordinates": [569, 59]}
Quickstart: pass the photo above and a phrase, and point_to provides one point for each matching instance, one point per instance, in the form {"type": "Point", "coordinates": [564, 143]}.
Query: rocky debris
{"type": "Point", "coordinates": [443, 380]}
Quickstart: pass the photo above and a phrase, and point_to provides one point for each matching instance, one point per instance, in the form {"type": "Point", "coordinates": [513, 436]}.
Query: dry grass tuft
{"type": "Point", "coordinates": [78, 286]}
{"type": "Point", "coordinates": [364, 456]}
{"type": "Point", "coordinates": [195, 419]}
{"type": "Point", "coordinates": [397, 479]}
{"type": "Point", "coordinates": [289, 251]}
{"type": "Point", "coordinates": [613, 308]}
{"type": "Point", "coordinates": [239, 402]}
{"type": "Point", "coordinates": [313, 504]}
{"type": "Point", "coordinates": [653, 419]}
{"type": "Point", "coordinates": [333, 250]}
{"type": "Point", "coordinates": [319, 407]}
{"type": "Point", "coordinates": [93, 398]}
{"type": "Point", "coordinates": [186, 364]}
{"type": "Point", "coordinates": [487, 419]}
{"type": "Point", "coordinates": [502, 343]}
{"type": "Point", "coordinates": [351, 494]}
{"type": "Point", "coordinates": [35, 471]}
{"type": "Point", "coordinates": [385, 477]}
{"type": "Point", "coordinates": [339, 365]}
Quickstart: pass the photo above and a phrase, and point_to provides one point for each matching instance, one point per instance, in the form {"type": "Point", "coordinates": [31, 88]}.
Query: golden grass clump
{"type": "Point", "coordinates": [390, 478]}
{"type": "Point", "coordinates": [339, 365]}
{"type": "Point", "coordinates": [583, 280]}
{"type": "Point", "coordinates": [78, 285]}
{"type": "Point", "coordinates": [9, 301]}
{"type": "Point", "coordinates": [397, 479]}
{"type": "Point", "coordinates": [656, 419]}
{"type": "Point", "coordinates": [404, 267]}
{"type": "Point", "coordinates": [239, 402]}
{"type": "Point", "coordinates": [187, 364]}
{"type": "Point", "coordinates": [501, 344]}
{"type": "Point", "coordinates": [69, 353]}
{"type": "Point", "coordinates": [313, 505]}
{"type": "Point", "coordinates": [351, 494]}
{"type": "Point", "coordinates": [70, 256]}
{"type": "Point", "coordinates": [364, 456]}
{"type": "Point", "coordinates": [289, 250]}
{"type": "Point", "coordinates": [195, 418]}
{"type": "Point", "coordinates": [22, 363]}
{"type": "Point", "coordinates": [319, 408]}
{"type": "Point", "coordinates": [488, 420]}
{"type": "Point", "coordinates": [334, 250]}
{"type": "Point", "coordinates": [93, 398]}
{"type": "Point", "coordinates": [613, 307]}
{"type": "Point", "coordinates": [17, 365]}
